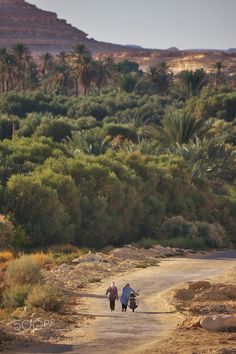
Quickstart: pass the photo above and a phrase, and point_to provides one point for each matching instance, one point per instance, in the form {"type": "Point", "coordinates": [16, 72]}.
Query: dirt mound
{"type": "Point", "coordinates": [203, 291]}
{"type": "Point", "coordinates": [207, 302]}
{"type": "Point", "coordinates": [218, 292]}
{"type": "Point", "coordinates": [199, 285]}
{"type": "Point", "coordinates": [184, 294]}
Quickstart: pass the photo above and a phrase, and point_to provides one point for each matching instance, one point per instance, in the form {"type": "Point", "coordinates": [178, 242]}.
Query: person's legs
{"type": "Point", "coordinates": [112, 305]}
{"type": "Point", "coordinates": [124, 307]}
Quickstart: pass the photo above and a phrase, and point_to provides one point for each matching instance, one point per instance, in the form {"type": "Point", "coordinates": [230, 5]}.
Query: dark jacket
{"type": "Point", "coordinates": [113, 293]}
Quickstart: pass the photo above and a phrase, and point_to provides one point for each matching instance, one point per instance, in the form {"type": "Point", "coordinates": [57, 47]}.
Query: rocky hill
{"type": "Point", "coordinates": [41, 30]}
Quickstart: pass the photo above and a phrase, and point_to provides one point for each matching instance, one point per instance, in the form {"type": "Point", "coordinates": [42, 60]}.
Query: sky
{"type": "Point", "coordinates": [185, 24]}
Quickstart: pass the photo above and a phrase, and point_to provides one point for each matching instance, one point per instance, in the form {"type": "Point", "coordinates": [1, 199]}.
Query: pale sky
{"type": "Point", "coordinates": [152, 23]}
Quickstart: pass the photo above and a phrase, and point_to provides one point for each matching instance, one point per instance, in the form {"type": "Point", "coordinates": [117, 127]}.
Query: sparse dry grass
{"type": "Point", "coordinates": [3, 266]}
{"type": "Point", "coordinates": [24, 270]}
{"type": "Point", "coordinates": [66, 253]}
{"type": "Point", "coordinates": [6, 256]}
{"type": "Point", "coordinates": [43, 259]}
{"type": "Point", "coordinates": [46, 297]}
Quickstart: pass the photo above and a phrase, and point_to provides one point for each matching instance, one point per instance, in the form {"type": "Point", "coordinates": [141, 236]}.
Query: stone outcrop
{"type": "Point", "coordinates": [218, 322]}
{"type": "Point", "coordinates": [21, 22]}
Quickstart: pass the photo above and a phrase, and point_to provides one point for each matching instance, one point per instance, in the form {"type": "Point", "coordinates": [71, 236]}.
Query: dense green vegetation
{"type": "Point", "coordinates": [98, 153]}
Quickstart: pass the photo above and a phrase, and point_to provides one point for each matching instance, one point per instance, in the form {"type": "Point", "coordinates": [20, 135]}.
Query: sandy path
{"type": "Point", "coordinates": [121, 332]}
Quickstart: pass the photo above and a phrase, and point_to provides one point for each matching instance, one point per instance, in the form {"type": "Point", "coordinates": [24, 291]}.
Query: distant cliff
{"type": "Point", "coordinates": [42, 30]}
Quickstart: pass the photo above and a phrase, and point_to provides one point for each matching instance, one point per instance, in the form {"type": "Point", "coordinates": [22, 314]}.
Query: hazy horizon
{"type": "Point", "coordinates": [185, 24]}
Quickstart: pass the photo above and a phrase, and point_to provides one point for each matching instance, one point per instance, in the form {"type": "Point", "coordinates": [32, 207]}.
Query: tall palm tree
{"type": "Point", "coordinates": [46, 69]}
{"type": "Point", "coordinates": [22, 55]}
{"type": "Point", "coordinates": [8, 70]}
{"type": "Point", "coordinates": [218, 65]}
{"type": "Point", "coordinates": [102, 73]}
{"type": "Point", "coordinates": [47, 64]}
{"type": "Point", "coordinates": [60, 78]}
{"type": "Point", "coordinates": [62, 58]}
{"type": "Point", "coordinates": [160, 75]}
{"type": "Point", "coordinates": [83, 67]}
{"type": "Point", "coordinates": [81, 53]}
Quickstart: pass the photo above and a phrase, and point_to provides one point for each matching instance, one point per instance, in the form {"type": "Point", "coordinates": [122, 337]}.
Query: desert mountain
{"type": "Point", "coordinates": [42, 30]}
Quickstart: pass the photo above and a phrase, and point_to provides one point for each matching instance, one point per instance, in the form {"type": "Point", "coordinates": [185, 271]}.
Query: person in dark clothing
{"type": "Point", "coordinates": [113, 295]}
{"type": "Point", "coordinates": [124, 299]}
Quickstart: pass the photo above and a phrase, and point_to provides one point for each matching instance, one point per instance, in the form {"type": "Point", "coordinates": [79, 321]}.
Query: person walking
{"type": "Point", "coordinates": [113, 295]}
{"type": "Point", "coordinates": [125, 295]}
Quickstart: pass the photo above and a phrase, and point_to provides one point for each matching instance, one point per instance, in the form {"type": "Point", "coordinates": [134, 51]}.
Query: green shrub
{"type": "Point", "coordinates": [184, 242]}
{"type": "Point", "coordinates": [64, 249]}
{"type": "Point", "coordinates": [175, 227]}
{"type": "Point", "coordinates": [112, 130]}
{"type": "Point", "coordinates": [16, 296]}
{"type": "Point", "coordinates": [45, 297]}
{"type": "Point", "coordinates": [178, 232]}
{"type": "Point", "coordinates": [24, 270]}
{"type": "Point", "coordinates": [213, 234]}
{"type": "Point", "coordinates": [146, 243]}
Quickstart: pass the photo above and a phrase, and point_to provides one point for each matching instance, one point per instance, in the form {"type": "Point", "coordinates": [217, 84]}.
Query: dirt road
{"type": "Point", "coordinates": [121, 332]}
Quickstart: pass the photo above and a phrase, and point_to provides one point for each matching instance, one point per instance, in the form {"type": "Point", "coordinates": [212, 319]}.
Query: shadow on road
{"type": "Point", "coordinates": [217, 255]}
{"type": "Point", "coordinates": [93, 296]}
{"type": "Point", "coordinates": [46, 348]}
{"type": "Point", "coordinates": [100, 315]}
{"type": "Point", "coordinates": [156, 313]}
{"type": "Point", "coordinates": [128, 311]}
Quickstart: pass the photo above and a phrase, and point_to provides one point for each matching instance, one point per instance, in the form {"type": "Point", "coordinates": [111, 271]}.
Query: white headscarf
{"type": "Point", "coordinates": [113, 285]}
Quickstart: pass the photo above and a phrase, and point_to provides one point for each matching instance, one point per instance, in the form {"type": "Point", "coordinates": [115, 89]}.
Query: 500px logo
{"type": "Point", "coordinates": [38, 323]}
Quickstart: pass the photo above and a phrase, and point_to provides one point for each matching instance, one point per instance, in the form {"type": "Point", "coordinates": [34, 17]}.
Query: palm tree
{"type": "Point", "coordinates": [208, 159]}
{"type": "Point", "coordinates": [102, 73]}
{"type": "Point", "coordinates": [86, 76]}
{"type": "Point", "coordinates": [81, 53]}
{"type": "Point", "coordinates": [160, 76]}
{"type": "Point", "coordinates": [218, 65]}
{"type": "Point", "coordinates": [89, 142]}
{"type": "Point", "coordinates": [191, 82]}
{"type": "Point", "coordinates": [62, 58]}
{"type": "Point", "coordinates": [22, 55]}
{"type": "Point", "coordinates": [152, 73]}
{"type": "Point", "coordinates": [46, 69]}
{"type": "Point", "coordinates": [60, 78]}
{"type": "Point", "coordinates": [177, 129]}
{"type": "Point", "coordinates": [8, 70]}
{"type": "Point", "coordinates": [83, 68]}
{"type": "Point", "coordinates": [47, 64]}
